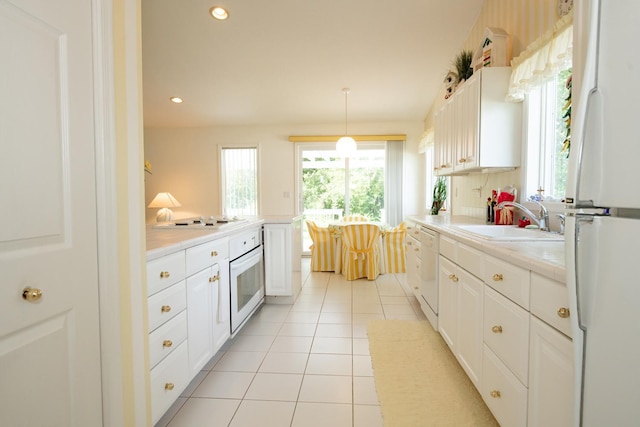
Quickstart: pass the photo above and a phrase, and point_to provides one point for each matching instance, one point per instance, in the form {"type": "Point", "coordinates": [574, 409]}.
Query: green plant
{"type": "Point", "coordinates": [463, 64]}
{"type": "Point", "coordinates": [439, 195]}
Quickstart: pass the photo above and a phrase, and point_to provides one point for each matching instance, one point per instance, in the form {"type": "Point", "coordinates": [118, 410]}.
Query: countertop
{"type": "Point", "coordinates": [161, 242]}
{"type": "Point", "coordinates": [543, 257]}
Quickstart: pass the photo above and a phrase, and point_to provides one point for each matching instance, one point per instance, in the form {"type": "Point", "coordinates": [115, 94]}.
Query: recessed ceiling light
{"type": "Point", "coordinates": [219, 13]}
{"type": "Point", "coordinates": [176, 99]}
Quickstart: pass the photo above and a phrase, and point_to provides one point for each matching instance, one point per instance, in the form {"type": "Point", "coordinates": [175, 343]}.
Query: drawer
{"type": "Point", "coordinates": [470, 259]}
{"type": "Point", "coordinates": [413, 232]}
{"type": "Point", "coordinates": [206, 255]}
{"type": "Point", "coordinates": [505, 396]}
{"type": "Point", "coordinates": [164, 272]}
{"type": "Point", "coordinates": [244, 242]}
{"type": "Point", "coordinates": [167, 304]}
{"type": "Point", "coordinates": [414, 247]}
{"type": "Point", "coordinates": [550, 302]}
{"type": "Point", "coordinates": [506, 332]}
{"type": "Point", "coordinates": [167, 338]}
{"type": "Point", "coordinates": [168, 379]}
{"type": "Point", "coordinates": [509, 280]}
{"type": "Point", "coordinates": [448, 247]}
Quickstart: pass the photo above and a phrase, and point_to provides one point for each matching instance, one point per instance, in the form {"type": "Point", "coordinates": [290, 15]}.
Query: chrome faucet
{"type": "Point", "coordinates": [542, 220]}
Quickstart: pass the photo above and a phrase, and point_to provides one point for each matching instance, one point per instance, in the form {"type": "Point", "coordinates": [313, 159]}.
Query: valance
{"type": "Point", "coordinates": [542, 60]}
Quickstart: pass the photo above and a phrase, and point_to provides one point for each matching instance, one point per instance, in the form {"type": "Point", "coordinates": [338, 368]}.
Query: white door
{"type": "Point", "coordinates": [49, 342]}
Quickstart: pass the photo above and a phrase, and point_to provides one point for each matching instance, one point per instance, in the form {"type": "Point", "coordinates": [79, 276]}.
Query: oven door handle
{"type": "Point", "coordinates": [246, 260]}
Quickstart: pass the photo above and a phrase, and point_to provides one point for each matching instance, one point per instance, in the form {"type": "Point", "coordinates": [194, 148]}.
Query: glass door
{"type": "Point", "coordinates": [332, 187]}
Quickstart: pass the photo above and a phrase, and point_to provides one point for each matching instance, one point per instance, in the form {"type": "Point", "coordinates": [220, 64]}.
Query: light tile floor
{"type": "Point", "coordinates": [299, 365]}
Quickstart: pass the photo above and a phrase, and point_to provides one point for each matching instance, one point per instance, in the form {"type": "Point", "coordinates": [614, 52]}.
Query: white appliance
{"type": "Point", "coordinates": [429, 240]}
{"type": "Point", "coordinates": [603, 213]}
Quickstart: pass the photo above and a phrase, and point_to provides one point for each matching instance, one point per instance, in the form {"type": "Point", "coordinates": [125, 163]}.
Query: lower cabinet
{"type": "Point", "coordinates": [460, 303]}
{"type": "Point", "coordinates": [202, 302]}
{"type": "Point", "coordinates": [509, 329]}
{"type": "Point", "coordinates": [283, 261]}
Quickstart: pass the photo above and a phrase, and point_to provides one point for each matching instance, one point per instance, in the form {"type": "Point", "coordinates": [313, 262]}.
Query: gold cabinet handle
{"type": "Point", "coordinates": [417, 249]}
{"type": "Point", "coordinates": [165, 308]}
{"type": "Point", "coordinates": [453, 278]}
{"type": "Point", "coordinates": [214, 253]}
{"type": "Point", "coordinates": [495, 394]}
{"type": "Point", "coordinates": [164, 274]}
{"type": "Point", "coordinates": [167, 343]}
{"type": "Point", "coordinates": [497, 277]}
{"type": "Point", "coordinates": [462, 160]}
{"type": "Point", "coordinates": [563, 312]}
{"type": "Point", "coordinates": [31, 294]}
{"type": "Point", "coordinates": [416, 288]}
{"type": "Point", "coordinates": [443, 166]}
{"type": "Point", "coordinates": [214, 278]}
{"type": "Point", "coordinates": [169, 386]}
{"type": "Point", "coordinates": [497, 329]}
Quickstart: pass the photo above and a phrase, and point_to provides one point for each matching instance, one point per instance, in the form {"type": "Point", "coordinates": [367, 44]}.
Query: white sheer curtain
{"type": "Point", "coordinates": [239, 170]}
{"type": "Point", "coordinates": [394, 168]}
{"type": "Point", "coordinates": [542, 60]}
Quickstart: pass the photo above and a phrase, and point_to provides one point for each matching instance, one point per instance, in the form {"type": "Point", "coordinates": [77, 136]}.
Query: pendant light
{"type": "Point", "coordinates": [346, 146]}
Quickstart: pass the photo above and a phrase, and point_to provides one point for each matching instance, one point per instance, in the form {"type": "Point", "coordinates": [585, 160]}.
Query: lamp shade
{"type": "Point", "coordinates": [346, 146]}
{"type": "Point", "coordinates": [164, 201]}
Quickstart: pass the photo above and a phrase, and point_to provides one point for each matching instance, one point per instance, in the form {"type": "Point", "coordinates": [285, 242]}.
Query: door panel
{"type": "Point", "coordinates": [49, 346]}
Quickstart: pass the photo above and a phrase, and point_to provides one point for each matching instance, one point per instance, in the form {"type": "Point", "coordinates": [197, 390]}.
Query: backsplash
{"type": "Point", "coordinates": [469, 192]}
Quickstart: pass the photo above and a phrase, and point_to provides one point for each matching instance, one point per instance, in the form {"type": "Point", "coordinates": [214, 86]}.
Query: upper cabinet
{"type": "Point", "coordinates": [476, 128]}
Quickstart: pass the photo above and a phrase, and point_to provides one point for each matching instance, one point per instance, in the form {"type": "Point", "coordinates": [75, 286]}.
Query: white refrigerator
{"type": "Point", "coordinates": [603, 212]}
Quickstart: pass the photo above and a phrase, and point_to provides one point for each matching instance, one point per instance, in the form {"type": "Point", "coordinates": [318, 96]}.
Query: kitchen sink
{"type": "Point", "coordinates": [507, 233]}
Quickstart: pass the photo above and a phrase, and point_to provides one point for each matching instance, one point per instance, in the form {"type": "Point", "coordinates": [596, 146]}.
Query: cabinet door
{"type": "Point", "coordinates": [447, 302]}
{"type": "Point", "coordinates": [199, 320]}
{"type": "Point", "coordinates": [469, 146]}
{"type": "Point", "coordinates": [459, 129]}
{"type": "Point", "coordinates": [470, 308]}
{"type": "Point", "coordinates": [277, 259]}
{"type": "Point", "coordinates": [222, 309]}
{"type": "Point", "coordinates": [551, 386]}
{"type": "Point", "coordinates": [413, 267]}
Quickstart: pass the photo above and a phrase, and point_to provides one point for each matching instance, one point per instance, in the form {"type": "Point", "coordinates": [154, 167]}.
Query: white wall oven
{"type": "Point", "coordinates": [246, 276]}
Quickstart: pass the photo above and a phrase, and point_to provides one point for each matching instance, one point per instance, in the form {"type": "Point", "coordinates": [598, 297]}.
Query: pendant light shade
{"type": "Point", "coordinates": [346, 146]}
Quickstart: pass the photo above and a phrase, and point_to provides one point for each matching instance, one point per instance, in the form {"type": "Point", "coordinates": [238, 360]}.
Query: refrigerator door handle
{"type": "Point", "coordinates": [585, 277]}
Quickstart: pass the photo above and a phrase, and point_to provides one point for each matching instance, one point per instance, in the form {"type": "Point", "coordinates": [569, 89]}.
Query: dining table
{"type": "Point", "coordinates": [336, 231]}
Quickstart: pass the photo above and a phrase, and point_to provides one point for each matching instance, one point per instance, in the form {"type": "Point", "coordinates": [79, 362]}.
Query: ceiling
{"type": "Point", "coordinates": [286, 61]}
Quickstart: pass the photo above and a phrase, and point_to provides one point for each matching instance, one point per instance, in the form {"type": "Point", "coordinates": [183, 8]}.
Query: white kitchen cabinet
{"type": "Point", "coordinates": [460, 305]}
{"type": "Point", "coordinates": [201, 300]}
{"type": "Point", "coordinates": [551, 377]}
{"type": "Point", "coordinates": [222, 313]}
{"type": "Point", "coordinates": [477, 128]}
{"type": "Point", "coordinates": [414, 257]}
{"type": "Point", "coordinates": [283, 261]}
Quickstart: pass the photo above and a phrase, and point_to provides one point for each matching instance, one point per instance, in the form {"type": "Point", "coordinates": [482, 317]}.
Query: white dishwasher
{"type": "Point", "coordinates": [429, 240]}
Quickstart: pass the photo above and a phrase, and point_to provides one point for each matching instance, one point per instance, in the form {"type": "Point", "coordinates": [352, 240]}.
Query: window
{"type": "Point", "coordinates": [546, 161]}
{"type": "Point", "coordinates": [239, 179]}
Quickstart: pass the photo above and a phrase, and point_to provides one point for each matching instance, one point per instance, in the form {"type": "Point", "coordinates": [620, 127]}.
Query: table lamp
{"type": "Point", "coordinates": [164, 201]}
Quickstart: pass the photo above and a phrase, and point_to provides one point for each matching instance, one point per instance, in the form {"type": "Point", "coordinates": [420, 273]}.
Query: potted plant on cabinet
{"type": "Point", "coordinates": [439, 195]}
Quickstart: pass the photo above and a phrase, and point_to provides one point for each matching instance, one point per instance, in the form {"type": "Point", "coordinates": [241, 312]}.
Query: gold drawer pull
{"type": "Point", "coordinates": [443, 166]}
{"type": "Point", "coordinates": [165, 308]}
{"type": "Point", "coordinates": [169, 386]}
{"type": "Point", "coordinates": [563, 312]}
{"type": "Point", "coordinates": [31, 294]}
{"type": "Point", "coordinates": [214, 253]}
{"type": "Point", "coordinates": [416, 288]}
{"type": "Point", "coordinates": [167, 343]}
{"type": "Point", "coordinates": [495, 394]}
{"type": "Point", "coordinates": [497, 329]}
{"type": "Point", "coordinates": [462, 160]}
{"type": "Point", "coordinates": [417, 250]}
{"type": "Point", "coordinates": [214, 278]}
{"type": "Point", "coordinates": [453, 278]}
{"type": "Point", "coordinates": [164, 274]}
{"type": "Point", "coordinates": [497, 277]}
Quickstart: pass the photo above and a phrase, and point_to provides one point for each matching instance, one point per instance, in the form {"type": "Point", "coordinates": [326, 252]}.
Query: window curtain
{"type": "Point", "coordinates": [239, 181]}
{"type": "Point", "coordinates": [542, 60]}
{"type": "Point", "coordinates": [394, 168]}
{"type": "Point", "coordinates": [426, 141]}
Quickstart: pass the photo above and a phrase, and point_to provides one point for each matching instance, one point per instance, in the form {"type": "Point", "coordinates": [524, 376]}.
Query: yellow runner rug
{"type": "Point", "coordinates": [419, 381]}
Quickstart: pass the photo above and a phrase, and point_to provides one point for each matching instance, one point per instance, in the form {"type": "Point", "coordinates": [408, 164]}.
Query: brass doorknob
{"type": "Point", "coordinates": [165, 308]}
{"type": "Point", "coordinates": [31, 294]}
{"type": "Point", "coordinates": [563, 312]}
{"type": "Point", "coordinates": [497, 277]}
{"type": "Point", "coordinates": [453, 278]}
{"type": "Point", "coordinates": [214, 278]}
{"type": "Point", "coordinates": [164, 274]}
{"type": "Point", "coordinates": [169, 386]}
{"type": "Point", "coordinates": [167, 343]}
{"type": "Point", "coordinates": [214, 253]}
{"type": "Point", "coordinates": [495, 393]}
{"type": "Point", "coordinates": [497, 329]}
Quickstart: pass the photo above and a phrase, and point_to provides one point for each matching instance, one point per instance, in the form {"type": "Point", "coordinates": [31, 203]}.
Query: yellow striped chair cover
{"type": "Point", "coordinates": [354, 218]}
{"type": "Point", "coordinates": [360, 251]}
{"type": "Point", "coordinates": [394, 249]}
{"type": "Point", "coordinates": [323, 249]}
